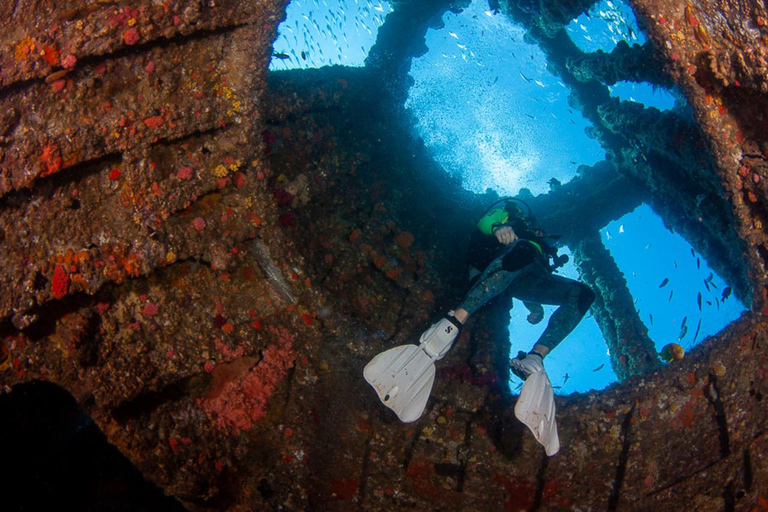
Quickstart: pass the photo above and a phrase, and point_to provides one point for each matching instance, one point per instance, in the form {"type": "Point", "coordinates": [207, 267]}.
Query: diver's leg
{"type": "Point", "coordinates": [573, 297]}
{"type": "Point", "coordinates": [497, 277]}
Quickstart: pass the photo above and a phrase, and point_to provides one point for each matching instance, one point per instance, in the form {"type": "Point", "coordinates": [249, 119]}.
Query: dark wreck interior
{"type": "Point", "coordinates": [199, 258]}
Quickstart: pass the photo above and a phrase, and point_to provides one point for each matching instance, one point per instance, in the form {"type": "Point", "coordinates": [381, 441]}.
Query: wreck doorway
{"type": "Point", "coordinates": [497, 113]}
{"type": "Point", "coordinates": [565, 120]}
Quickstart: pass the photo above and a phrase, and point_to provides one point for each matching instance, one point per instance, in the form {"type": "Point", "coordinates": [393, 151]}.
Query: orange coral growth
{"type": "Point", "coordinates": [51, 55]}
{"type": "Point", "coordinates": [404, 239]}
{"type": "Point", "coordinates": [24, 48]}
{"type": "Point", "coordinates": [131, 36]}
{"type": "Point", "coordinates": [60, 284]}
{"type": "Point", "coordinates": [154, 121]}
{"type": "Point", "coordinates": [51, 158]}
{"type": "Point", "coordinates": [242, 402]}
{"type": "Point", "coordinates": [132, 265]}
{"type": "Point", "coordinates": [394, 273]}
{"type": "Point", "coordinates": [380, 261]}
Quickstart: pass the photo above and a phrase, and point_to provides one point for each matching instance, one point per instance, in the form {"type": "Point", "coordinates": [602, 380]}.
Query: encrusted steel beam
{"type": "Point", "coordinates": [632, 351]}
{"type": "Point", "coordinates": [402, 37]}
{"type": "Point", "coordinates": [584, 205]}
{"type": "Point", "coordinates": [549, 16]}
{"type": "Point", "coordinates": [636, 63]}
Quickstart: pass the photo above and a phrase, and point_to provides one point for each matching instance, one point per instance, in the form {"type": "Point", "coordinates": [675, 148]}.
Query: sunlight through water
{"type": "Point", "coordinates": [489, 111]}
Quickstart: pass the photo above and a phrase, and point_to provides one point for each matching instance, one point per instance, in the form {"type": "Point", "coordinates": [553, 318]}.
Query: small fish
{"type": "Point", "coordinates": [675, 263]}
{"type": "Point", "coordinates": [453, 34]}
{"type": "Point", "coordinates": [281, 56]}
{"type": "Point", "coordinates": [698, 263]}
{"type": "Point", "coordinates": [698, 300]}
{"type": "Point", "coordinates": [303, 55]}
{"type": "Point", "coordinates": [599, 368]}
{"type": "Point", "coordinates": [707, 285]}
{"type": "Point", "coordinates": [672, 352]}
{"type": "Point", "coordinates": [709, 303]}
{"type": "Point", "coordinates": [621, 228]}
{"type": "Point", "coordinates": [529, 115]}
{"type": "Point", "coordinates": [664, 282]}
{"type": "Point", "coordinates": [696, 336]}
{"type": "Point", "coordinates": [557, 387]}
{"type": "Point", "coordinates": [683, 332]}
{"type": "Point", "coordinates": [539, 83]}
{"type": "Point", "coordinates": [565, 379]}
{"type": "Point", "coordinates": [693, 253]}
{"type": "Point", "coordinates": [524, 77]}
{"type": "Point", "coordinates": [685, 321]}
{"type": "Point", "coordinates": [726, 293]}
{"type": "Point", "coordinates": [651, 317]}
{"type": "Point", "coordinates": [495, 80]}
{"type": "Point", "coordinates": [671, 293]}
{"type": "Point", "coordinates": [647, 247]}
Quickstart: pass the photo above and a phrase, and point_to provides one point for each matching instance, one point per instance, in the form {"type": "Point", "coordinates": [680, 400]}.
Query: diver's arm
{"type": "Point", "coordinates": [495, 223]}
{"type": "Point", "coordinates": [505, 235]}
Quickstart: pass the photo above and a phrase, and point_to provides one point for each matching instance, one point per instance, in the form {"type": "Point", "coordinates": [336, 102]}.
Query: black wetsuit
{"type": "Point", "coordinates": [522, 269]}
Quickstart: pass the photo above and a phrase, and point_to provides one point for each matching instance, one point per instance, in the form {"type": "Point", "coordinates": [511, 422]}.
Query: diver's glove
{"type": "Point", "coordinates": [438, 339]}
{"type": "Point", "coordinates": [524, 365]}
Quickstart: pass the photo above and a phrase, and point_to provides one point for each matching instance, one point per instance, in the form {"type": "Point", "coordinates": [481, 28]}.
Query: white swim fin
{"type": "Point", "coordinates": [536, 409]}
{"type": "Point", "coordinates": [403, 376]}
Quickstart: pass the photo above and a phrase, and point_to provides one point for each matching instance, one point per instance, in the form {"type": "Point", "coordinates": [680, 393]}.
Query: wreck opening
{"type": "Point", "coordinates": [647, 94]}
{"type": "Point", "coordinates": [496, 111]}
{"type": "Point", "coordinates": [487, 108]}
{"type": "Point", "coordinates": [318, 33]}
{"type": "Point", "coordinates": [603, 24]}
{"type": "Point", "coordinates": [678, 296]}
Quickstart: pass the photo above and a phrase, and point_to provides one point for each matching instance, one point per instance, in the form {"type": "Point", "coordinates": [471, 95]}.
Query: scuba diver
{"type": "Point", "coordinates": [517, 259]}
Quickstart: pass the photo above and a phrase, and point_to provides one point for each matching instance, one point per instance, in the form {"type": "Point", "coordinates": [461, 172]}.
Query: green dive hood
{"type": "Point", "coordinates": [492, 218]}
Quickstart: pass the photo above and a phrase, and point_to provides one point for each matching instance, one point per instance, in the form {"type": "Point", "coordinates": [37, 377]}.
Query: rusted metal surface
{"type": "Point", "coordinates": [137, 179]}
